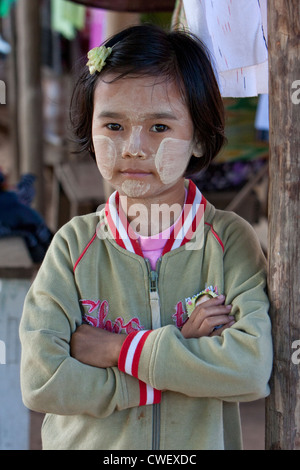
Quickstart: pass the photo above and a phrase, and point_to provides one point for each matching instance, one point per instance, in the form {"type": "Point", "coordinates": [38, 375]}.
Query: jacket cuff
{"type": "Point", "coordinates": [129, 359]}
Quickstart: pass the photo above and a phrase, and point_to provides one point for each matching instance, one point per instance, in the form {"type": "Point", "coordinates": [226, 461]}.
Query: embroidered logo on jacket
{"type": "Point", "coordinates": [179, 317]}
{"type": "Point", "coordinates": [101, 321]}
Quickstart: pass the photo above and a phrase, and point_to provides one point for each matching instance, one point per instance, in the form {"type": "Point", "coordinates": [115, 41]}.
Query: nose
{"type": "Point", "coordinates": [133, 145]}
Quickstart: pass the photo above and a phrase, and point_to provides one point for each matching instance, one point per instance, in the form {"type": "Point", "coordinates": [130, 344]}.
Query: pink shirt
{"type": "Point", "coordinates": [152, 247]}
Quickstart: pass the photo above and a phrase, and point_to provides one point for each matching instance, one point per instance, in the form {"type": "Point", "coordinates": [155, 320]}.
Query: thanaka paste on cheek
{"type": "Point", "coordinates": [106, 155]}
{"type": "Point", "coordinates": [172, 158]}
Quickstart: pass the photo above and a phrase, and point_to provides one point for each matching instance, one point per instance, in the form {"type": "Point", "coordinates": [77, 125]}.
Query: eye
{"type": "Point", "coordinates": [159, 128]}
{"type": "Point", "coordinates": [113, 126]}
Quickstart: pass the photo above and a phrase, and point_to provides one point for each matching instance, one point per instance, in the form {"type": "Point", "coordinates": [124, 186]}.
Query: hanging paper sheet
{"type": "Point", "coordinates": [235, 32]}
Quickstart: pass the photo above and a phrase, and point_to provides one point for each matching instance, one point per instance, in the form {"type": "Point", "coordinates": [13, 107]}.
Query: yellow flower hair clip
{"type": "Point", "coordinates": [97, 57]}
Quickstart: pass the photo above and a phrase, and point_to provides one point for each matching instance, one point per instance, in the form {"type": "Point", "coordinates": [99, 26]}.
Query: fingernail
{"type": "Point", "coordinates": [221, 296]}
{"type": "Point", "coordinates": [229, 307]}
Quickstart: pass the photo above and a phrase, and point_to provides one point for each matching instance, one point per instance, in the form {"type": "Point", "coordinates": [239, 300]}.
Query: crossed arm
{"type": "Point", "coordinates": [101, 348]}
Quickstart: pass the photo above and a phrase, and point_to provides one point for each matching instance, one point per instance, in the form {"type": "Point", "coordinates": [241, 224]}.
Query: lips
{"type": "Point", "coordinates": [135, 172]}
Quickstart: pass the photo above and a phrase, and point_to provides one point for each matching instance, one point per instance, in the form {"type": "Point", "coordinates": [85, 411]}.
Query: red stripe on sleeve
{"type": "Point", "coordinates": [124, 351]}
{"type": "Point", "coordinates": [137, 354]}
{"type": "Point", "coordinates": [143, 393]}
{"type": "Point", "coordinates": [157, 396]}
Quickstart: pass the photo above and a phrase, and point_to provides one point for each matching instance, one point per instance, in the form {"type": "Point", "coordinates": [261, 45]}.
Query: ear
{"type": "Point", "coordinates": [197, 150]}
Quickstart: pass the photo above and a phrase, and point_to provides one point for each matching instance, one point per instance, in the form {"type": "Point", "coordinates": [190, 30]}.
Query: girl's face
{"type": "Point", "coordinates": [143, 135]}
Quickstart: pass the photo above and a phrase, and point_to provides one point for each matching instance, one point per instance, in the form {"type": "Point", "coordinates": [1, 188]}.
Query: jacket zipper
{"type": "Point", "coordinates": [156, 323]}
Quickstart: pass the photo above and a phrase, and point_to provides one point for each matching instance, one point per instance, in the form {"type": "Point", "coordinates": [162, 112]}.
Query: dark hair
{"type": "Point", "coordinates": [176, 55]}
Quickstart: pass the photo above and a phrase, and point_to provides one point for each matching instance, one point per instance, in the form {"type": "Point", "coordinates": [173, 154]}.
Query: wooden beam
{"type": "Point", "coordinates": [283, 405]}
{"type": "Point", "coordinates": [28, 29]}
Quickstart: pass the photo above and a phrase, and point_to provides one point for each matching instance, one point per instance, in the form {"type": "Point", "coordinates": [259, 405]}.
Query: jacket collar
{"type": "Point", "coordinates": [183, 230]}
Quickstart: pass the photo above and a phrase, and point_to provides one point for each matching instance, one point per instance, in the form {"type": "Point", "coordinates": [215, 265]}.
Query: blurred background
{"type": "Point", "coordinates": [44, 181]}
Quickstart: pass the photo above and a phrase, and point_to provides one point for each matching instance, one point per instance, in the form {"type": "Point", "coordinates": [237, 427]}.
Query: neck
{"type": "Point", "coordinates": [150, 216]}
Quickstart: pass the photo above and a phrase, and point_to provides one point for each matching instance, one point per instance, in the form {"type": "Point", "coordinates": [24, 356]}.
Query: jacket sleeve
{"type": "Point", "coordinates": [51, 380]}
{"type": "Point", "coordinates": [235, 366]}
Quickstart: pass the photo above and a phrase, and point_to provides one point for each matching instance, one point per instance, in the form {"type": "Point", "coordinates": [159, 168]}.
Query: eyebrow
{"type": "Point", "coordinates": [150, 116]}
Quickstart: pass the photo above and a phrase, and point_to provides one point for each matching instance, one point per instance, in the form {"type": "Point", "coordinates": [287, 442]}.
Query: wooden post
{"type": "Point", "coordinates": [30, 93]}
{"type": "Point", "coordinates": [13, 97]}
{"type": "Point", "coordinates": [283, 405]}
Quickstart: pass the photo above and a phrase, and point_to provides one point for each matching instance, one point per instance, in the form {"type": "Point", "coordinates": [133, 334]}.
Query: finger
{"type": "Point", "coordinates": [202, 299]}
{"type": "Point", "coordinates": [211, 323]}
{"type": "Point", "coordinates": [203, 311]}
{"type": "Point", "coordinates": [219, 331]}
{"type": "Point", "coordinates": [206, 328]}
{"type": "Point", "coordinates": [210, 300]}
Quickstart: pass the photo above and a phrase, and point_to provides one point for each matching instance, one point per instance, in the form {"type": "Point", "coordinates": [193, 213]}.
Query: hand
{"type": "Point", "coordinates": [208, 314]}
{"type": "Point", "coordinates": [96, 347]}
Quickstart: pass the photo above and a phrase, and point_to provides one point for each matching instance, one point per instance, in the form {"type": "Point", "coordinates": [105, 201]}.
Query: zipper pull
{"type": "Point", "coordinates": [153, 281]}
{"type": "Point", "coordinates": [153, 275]}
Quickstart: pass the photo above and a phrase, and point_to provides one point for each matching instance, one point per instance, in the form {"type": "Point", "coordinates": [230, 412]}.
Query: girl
{"type": "Point", "coordinates": [118, 349]}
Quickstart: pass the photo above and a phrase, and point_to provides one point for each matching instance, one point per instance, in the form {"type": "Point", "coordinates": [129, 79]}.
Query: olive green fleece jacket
{"type": "Point", "coordinates": [191, 386]}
